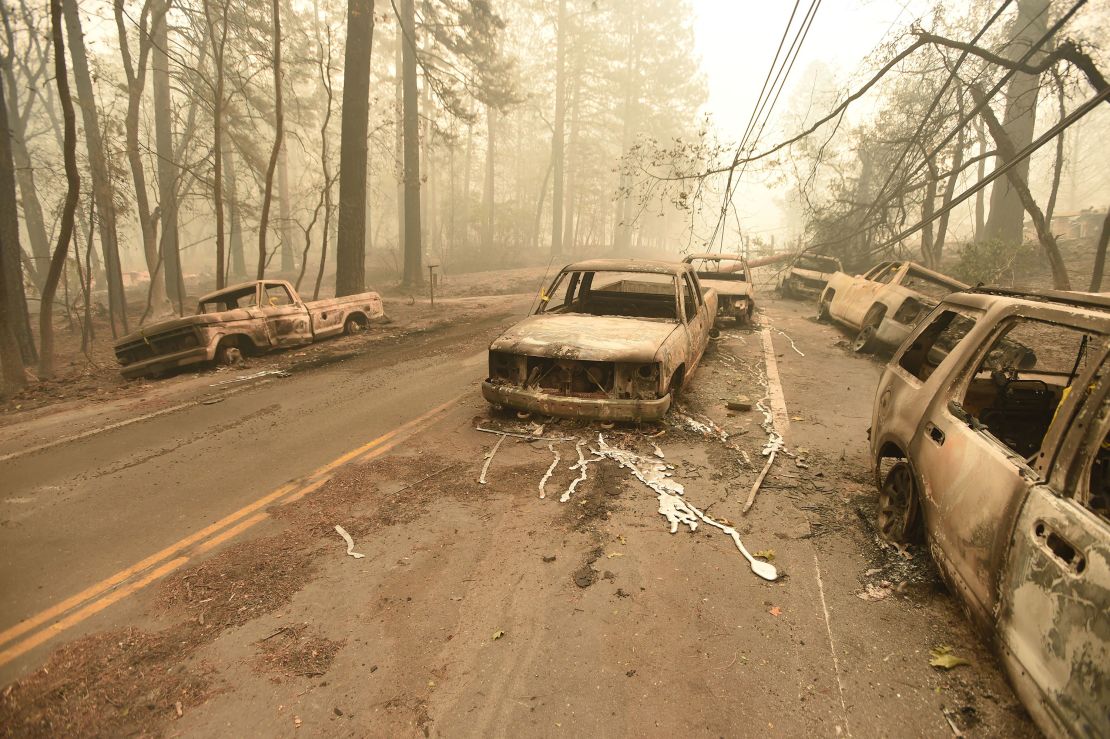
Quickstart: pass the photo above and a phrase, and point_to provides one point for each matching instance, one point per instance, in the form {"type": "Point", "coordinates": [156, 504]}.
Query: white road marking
{"type": "Point", "coordinates": [774, 385]}
{"type": "Point", "coordinates": [832, 644]}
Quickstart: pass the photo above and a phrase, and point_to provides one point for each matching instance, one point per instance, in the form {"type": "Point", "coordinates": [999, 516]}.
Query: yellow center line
{"type": "Point", "coordinates": [299, 488]}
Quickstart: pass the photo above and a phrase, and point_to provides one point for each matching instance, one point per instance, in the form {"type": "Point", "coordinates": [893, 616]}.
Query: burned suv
{"type": "Point", "coordinates": [989, 440]}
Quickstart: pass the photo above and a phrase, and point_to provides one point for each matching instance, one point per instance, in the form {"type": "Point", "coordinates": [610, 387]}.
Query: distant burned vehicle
{"type": "Point", "coordinates": [253, 317]}
{"type": "Point", "coordinates": [730, 276]}
{"type": "Point", "coordinates": [612, 339]}
{"type": "Point", "coordinates": [990, 439]}
{"type": "Point", "coordinates": [884, 304]}
{"type": "Point", "coordinates": [808, 275]}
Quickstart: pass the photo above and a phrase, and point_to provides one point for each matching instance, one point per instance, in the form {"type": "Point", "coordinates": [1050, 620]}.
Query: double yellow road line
{"type": "Point", "coordinates": [45, 625]}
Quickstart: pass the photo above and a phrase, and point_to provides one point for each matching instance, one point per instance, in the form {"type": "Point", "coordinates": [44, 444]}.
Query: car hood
{"type": "Point", "coordinates": [729, 288]}
{"type": "Point", "coordinates": [592, 338]}
{"type": "Point", "coordinates": [171, 324]}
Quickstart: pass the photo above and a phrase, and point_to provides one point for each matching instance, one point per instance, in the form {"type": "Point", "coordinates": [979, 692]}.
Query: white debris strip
{"type": "Point", "coordinates": [672, 504]}
{"type": "Point", "coordinates": [581, 464]}
{"type": "Point", "coordinates": [550, 470]}
{"type": "Point", "coordinates": [350, 542]}
{"type": "Point", "coordinates": [255, 376]}
{"type": "Point", "coordinates": [705, 429]}
{"type": "Point", "coordinates": [657, 451]}
{"type": "Point", "coordinates": [489, 458]}
{"type": "Point", "coordinates": [792, 344]}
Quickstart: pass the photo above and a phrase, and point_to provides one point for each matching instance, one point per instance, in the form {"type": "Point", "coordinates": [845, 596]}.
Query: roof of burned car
{"type": "Point", "coordinates": [240, 286]}
{"type": "Point", "coordinates": [657, 266]}
{"type": "Point", "coordinates": [986, 297]}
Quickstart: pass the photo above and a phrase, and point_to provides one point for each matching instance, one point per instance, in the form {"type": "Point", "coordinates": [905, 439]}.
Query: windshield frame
{"type": "Point", "coordinates": [583, 278]}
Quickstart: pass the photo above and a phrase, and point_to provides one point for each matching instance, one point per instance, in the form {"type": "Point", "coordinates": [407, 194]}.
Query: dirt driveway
{"type": "Point", "coordinates": [486, 609]}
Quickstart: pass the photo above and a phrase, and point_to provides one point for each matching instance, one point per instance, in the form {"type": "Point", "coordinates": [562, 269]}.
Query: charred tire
{"type": "Point", "coordinates": [676, 383]}
{"type": "Point", "coordinates": [823, 313]}
{"type": "Point", "coordinates": [899, 518]}
{"type": "Point", "coordinates": [354, 324]}
{"type": "Point", "coordinates": [867, 340]}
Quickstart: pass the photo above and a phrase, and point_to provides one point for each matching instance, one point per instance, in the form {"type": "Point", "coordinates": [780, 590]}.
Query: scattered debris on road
{"type": "Point", "coordinates": [255, 376]}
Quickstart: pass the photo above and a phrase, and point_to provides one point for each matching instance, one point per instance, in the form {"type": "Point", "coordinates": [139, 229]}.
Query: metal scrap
{"type": "Point", "coordinates": [489, 458]}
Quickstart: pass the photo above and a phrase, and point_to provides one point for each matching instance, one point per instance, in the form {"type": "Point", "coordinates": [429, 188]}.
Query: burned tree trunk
{"type": "Point", "coordinates": [167, 168]}
{"type": "Point", "coordinates": [217, 134]}
{"type": "Point", "coordinates": [1006, 216]}
{"type": "Point", "coordinates": [557, 136]}
{"type": "Point", "coordinates": [15, 328]}
{"type": "Point", "coordinates": [268, 191]}
{"type": "Point", "coordinates": [73, 191]}
{"type": "Point", "coordinates": [103, 194]}
{"type": "Point", "coordinates": [1007, 152]}
{"type": "Point", "coordinates": [411, 117]}
{"type": "Point", "coordinates": [350, 247]}
{"type": "Point", "coordinates": [237, 266]}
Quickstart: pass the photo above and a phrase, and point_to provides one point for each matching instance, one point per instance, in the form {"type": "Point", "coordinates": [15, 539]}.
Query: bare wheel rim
{"type": "Point", "coordinates": [864, 337]}
{"type": "Point", "coordinates": [895, 502]}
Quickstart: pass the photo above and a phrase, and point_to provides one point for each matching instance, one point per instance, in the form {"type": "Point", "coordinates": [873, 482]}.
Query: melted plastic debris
{"type": "Point", "coordinates": [792, 344]}
{"type": "Point", "coordinates": [255, 376]}
{"type": "Point", "coordinates": [550, 470]}
{"type": "Point", "coordinates": [705, 429]}
{"type": "Point", "coordinates": [672, 505]}
{"type": "Point", "coordinates": [350, 542]}
{"type": "Point", "coordinates": [581, 464]}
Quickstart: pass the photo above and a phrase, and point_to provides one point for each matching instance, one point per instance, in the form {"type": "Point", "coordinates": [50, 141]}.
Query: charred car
{"type": "Point", "coordinates": [611, 339]}
{"type": "Point", "coordinates": [730, 276]}
{"type": "Point", "coordinates": [884, 304]}
{"type": "Point", "coordinates": [989, 440]}
{"type": "Point", "coordinates": [808, 275]}
{"type": "Point", "coordinates": [249, 318]}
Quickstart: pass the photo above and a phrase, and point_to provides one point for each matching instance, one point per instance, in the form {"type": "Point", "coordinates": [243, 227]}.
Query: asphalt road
{"type": "Point", "coordinates": [479, 609]}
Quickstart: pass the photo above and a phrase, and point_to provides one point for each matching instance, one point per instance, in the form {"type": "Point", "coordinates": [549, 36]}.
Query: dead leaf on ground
{"type": "Point", "coordinates": [776, 611]}
{"type": "Point", "coordinates": [498, 634]}
{"type": "Point", "coordinates": [943, 658]}
{"type": "Point", "coordinates": [767, 554]}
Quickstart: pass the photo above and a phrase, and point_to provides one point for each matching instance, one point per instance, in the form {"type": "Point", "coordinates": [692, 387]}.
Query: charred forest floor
{"type": "Point", "coordinates": [486, 609]}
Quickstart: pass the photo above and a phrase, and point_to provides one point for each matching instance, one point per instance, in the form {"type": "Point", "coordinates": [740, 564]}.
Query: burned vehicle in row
{"type": "Point", "coordinates": [884, 304]}
{"type": "Point", "coordinates": [990, 440]}
{"type": "Point", "coordinates": [808, 275]}
{"type": "Point", "coordinates": [611, 339]}
{"type": "Point", "coordinates": [249, 318]}
{"type": "Point", "coordinates": [730, 276]}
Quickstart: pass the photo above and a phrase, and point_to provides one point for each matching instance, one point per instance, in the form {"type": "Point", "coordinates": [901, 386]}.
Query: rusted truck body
{"type": "Point", "coordinates": [251, 317]}
{"type": "Point", "coordinates": [730, 276]}
{"type": "Point", "coordinates": [884, 304]}
{"type": "Point", "coordinates": [611, 339]}
{"type": "Point", "coordinates": [808, 275]}
{"type": "Point", "coordinates": [989, 440]}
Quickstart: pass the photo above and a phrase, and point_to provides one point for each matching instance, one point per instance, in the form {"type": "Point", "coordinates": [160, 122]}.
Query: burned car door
{"type": "Point", "coordinates": [286, 319]}
{"type": "Point", "coordinates": [1054, 625]}
{"type": "Point", "coordinates": [977, 442]}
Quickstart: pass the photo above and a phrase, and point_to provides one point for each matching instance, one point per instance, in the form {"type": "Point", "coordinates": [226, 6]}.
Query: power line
{"type": "Point", "coordinates": [770, 70]}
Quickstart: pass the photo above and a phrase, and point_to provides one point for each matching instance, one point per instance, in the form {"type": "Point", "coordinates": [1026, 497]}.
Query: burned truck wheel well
{"type": "Point", "coordinates": [677, 379]}
{"type": "Point", "coordinates": [239, 341]}
{"type": "Point", "coordinates": [357, 318]}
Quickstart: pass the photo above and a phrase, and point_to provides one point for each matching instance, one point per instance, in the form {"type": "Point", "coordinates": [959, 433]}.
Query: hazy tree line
{"type": "Point", "coordinates": [202, 142]}
{"type": "Point", "coordinates": [955, 105]}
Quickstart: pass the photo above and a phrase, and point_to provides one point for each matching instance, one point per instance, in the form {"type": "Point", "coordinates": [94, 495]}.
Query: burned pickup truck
{"type": "Point", "coordinates": [884, 304]}
{"type": "Point", "coordinates": [808, 275]}
{"type": "Point", "coordinates": [729, 275]}
{"type": "Point", "coordinates": [612, 339]}
{"type": "Point", "coordinates": [990, 440]}
{"type": "Point", "coordinates": [249, 318]}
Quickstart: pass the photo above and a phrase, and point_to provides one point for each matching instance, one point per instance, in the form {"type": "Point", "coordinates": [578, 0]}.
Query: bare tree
{"type": "Point", "coordinates": [73, 191]}
{"type": "Point", "coordinates": [268, 192]}
{"type": "Point", "coordinates": [413, 275]}
{"type": "Point", "coordinates": [13, 305]}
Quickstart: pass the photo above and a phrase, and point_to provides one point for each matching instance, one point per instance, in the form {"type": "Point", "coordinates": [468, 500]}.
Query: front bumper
{"type": "Point", "coordinates": [166, 362]}
{"type": "Point", "coordinates": [572, 407]}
